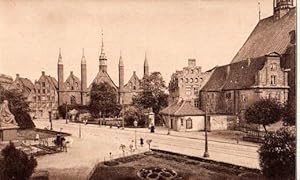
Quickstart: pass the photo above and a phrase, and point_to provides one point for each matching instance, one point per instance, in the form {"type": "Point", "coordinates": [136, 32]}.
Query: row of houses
{"type": "Point", "coordinates": [264, 67]}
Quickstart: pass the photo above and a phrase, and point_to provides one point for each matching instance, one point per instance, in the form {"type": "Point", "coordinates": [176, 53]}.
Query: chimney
{"type": "Point", "coordinates": [43, 73]}
{"type": "Point", "coordinates": [71, 72]}
{"type": "Point", "coordinates": [134, 72]}
{"type": "Point", "coordinates": [17, 75]}
{"type": "Point", "coordinates": [191, 62]}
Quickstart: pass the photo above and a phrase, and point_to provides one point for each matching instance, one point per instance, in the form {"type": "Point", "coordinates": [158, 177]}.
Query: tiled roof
{"type": "Point", "coordinates": [182, 108]}
{"type": "Point", "coordinates": [239, 75]}
{"type": "Point", "coordinates": [53, 81]}
{"type": "Point", "coordinates": [268, 36]}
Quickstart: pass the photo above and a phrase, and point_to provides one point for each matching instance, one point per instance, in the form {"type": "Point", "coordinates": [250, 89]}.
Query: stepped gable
{"type": "Point", "coordinates": [268, 36]}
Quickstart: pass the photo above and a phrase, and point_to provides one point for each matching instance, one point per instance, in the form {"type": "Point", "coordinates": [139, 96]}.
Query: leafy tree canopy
{"type": "Point", "coordinates": [104, 100]}
{"type": "Point", "coordinates": [16, 164]}
{"type": "Point", "coordinates": [264, 112]}
{"type": "Point", "coordinates": [277, 154]}
{"type": "Point", "coordinates": [18, 106]}
{"type": "Point", "coordinates": [153, 95]}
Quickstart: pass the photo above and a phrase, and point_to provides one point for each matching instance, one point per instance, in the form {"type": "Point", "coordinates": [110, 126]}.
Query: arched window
{"type": "Point", "coordinates": [189, 123]}
{"type": "Point", "coordinates": [196, 80]}
{"type": "Point", "coordinates": [191, 80]}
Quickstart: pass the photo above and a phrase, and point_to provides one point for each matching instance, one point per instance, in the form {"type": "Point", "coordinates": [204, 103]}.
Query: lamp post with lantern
{"type": "Point", "coordinates": [135, 123]}
{"type": "Point", "coordinates": [206, 154]}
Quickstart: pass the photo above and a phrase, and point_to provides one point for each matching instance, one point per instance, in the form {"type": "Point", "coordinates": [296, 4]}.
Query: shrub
{"type": "Point", "coordinates": [16, 164]}
{"type": "Point", "coordinates": [131, 114]}
{"type": "Point", "coordinates": [278, 154]}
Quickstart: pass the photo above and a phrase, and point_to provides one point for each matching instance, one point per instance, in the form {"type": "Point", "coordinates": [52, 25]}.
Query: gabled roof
{"type": "Point", "coordinates": [73, 78]}
{"type": "Point", "coordinates": [103, 76]}
{"type": "Point", "coordinates": [268, 36]}
{"type": "Point", "coordinates": [239, 75]}
{"type": "Point", "coordinates": [182, 108]}
{"type": "Point", "coordinates": [26, 83]}
{"type": "Point", "coordinates": [134, 78]}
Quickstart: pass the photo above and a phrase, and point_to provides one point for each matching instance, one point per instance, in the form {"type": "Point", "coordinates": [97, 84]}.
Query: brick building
{"type": "Point", "coordinates": [23, 84]}
{"type": "Point", "coordinates": [233, 87]}
{"type": "Point", "coordinates": [44, 97]}
{"type": "Point", "coordinates": [264, 67]}
{"type": "Point", "coordinates": [186, 84]}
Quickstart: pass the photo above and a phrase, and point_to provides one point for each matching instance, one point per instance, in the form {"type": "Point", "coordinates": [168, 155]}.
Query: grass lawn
{"type": "Point", "coordinates": [185, 167]}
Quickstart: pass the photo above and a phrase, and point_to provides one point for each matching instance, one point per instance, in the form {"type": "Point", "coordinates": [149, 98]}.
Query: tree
{"type": "Point", "coordinates": [153, 95]}
{"type": "Point", "coordinates": [289, 114]}
{"type": "Point", "coordinates": [277, 154]}
{"type": "Point", "coordinates": [264, 112]}
{"type": "Point", "coordinates": [16, 164]}
{"type": "Point", "coordinates": [18, 106]}
{"type": "Point", "coordinates": [104, 100]}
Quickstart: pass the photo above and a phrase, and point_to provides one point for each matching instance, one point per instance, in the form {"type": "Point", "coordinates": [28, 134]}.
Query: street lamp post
{"type": "Point", "coordinates": [50, 119]}
{"type": "Point", "coordinates": [135, 123]}
{"type": "Point", "coordinates": [66, 114]}
{"type": "Point", "coordinates": [206, 154]}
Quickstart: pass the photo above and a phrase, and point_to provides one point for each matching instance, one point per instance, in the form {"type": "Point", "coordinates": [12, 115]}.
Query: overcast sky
{"type": "Point", "coordinates": [211, 31]}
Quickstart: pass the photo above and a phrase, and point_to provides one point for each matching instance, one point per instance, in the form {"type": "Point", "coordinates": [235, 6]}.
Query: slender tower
{"type": "Point", "coordinates": [146, 66]}
{"type": "Point", "coordinates": [60, 74]}
{"type": "Point", "coordinates": [121, 79]}
{"type": "Point", "coordinates": [83, 78]}
{"type": "Point", "coordinates": [102, 58]}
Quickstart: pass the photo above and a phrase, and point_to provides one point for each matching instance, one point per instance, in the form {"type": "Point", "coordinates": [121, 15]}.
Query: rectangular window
{"type": "Point", "coordinates": [39, 98]}
{"type": "Point", "coordinates": [43, 84]}
{"type": "Point", "coordinates": [181, 121]}
{"type": "Point", "coordinates": [44, 91]}
{"type": "Point", "coordinates": [273, 80]}
{"type": "Point", "coordinates": [39, 91]}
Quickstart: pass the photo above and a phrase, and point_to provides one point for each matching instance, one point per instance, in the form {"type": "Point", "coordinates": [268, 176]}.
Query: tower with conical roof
{"type": "Point", "coordinates": [60, 77]}
{"type": "Point", "coordinates": [102, 58]}
{"type": "Point", "coordinates": [83, 78]}
{"type": "Point", "coordinates": [121, 79]}
{"type": "Point", "coordinates": [281, 8]}
{"type": "Point", "coordinates": [146, 66]}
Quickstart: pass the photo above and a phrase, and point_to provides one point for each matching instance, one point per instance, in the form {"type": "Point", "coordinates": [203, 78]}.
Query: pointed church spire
{"type": "Point", "coordinates": [83, 61]}
{"type": "Point", "coordinates": [146, 66]}
{"type": "Point", "coordinates": [102, 55]}
{"type": "Point", "coordinates": [121, 63]}
{"type": "Point", "coordinates": [259, 11]}
{"type": "Point", "coordinates": [60, 57]}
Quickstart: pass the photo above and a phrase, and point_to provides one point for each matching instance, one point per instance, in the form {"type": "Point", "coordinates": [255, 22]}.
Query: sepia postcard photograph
{"type": "Point", "coordinates": [148, 90]}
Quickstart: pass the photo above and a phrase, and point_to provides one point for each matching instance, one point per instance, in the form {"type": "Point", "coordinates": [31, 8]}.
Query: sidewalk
{"type": "Point", "coordinates": [212, 136]}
